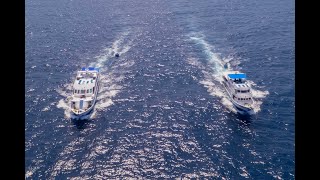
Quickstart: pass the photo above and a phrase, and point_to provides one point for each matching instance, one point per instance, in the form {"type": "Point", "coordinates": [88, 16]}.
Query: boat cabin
{"type": "Point", "coordinates": [240, 89]}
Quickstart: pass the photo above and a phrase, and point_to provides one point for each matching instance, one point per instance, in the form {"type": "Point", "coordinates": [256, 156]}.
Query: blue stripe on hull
{"type": "Point", "coordinates": [241, 110]}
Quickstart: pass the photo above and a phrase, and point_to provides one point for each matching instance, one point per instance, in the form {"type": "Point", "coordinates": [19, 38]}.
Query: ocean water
{"type": "Point", "coordinates": [162, 112]}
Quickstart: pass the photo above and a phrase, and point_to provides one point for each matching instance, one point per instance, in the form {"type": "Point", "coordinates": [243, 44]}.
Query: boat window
{"type": "Point", "coordinates": [245, 91]}
{"type": "Point", "coordinates": [90, 90]}
{"type": "Point", "coordinates": [78, 91]}
{"type": "Point", "coordinates": [238, 91]}
{"type": "Point", "coordinates": [83, 91]}
{"type": "Point", "coordinates": [87, 90]}
{"type": "Point", "coordinates": [75, 91]}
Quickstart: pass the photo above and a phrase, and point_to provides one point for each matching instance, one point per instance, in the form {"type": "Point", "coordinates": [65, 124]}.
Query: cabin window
{"type": "Point", "coordinates": [239, 99]}
{"type": "Point", "coordinates": [90, 90]}
{"type": "Point", "coordinates": [93, 90]}
{"type": "Point", "coordinates": [238, 91]}
{"type": "Point", "coordinates": [75, 91]}
{"type": "Point", "coordinates": [83, 91]}
{"type": "Point", "coordinates": [78, 91]}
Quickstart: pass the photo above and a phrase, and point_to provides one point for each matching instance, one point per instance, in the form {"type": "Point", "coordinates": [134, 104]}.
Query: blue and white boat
{"type": "Point", "coordinates": [85, 90]}
{"type": "Point", "coordinates": [239, 91]}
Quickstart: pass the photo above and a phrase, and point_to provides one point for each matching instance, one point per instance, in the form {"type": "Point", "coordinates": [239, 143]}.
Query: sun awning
{"type": "Point", "coordinates": [237, 76]}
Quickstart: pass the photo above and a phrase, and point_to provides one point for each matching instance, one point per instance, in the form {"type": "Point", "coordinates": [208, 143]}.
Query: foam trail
{"type": "Point", "coordinates": [214, 75]}
{"type": "Point", "coordinates": [212, 58]}
{"type": "Point", "coordinates": [118, 46]}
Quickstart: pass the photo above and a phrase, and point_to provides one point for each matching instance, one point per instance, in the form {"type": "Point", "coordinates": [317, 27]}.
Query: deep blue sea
{"type": "Point", "coordinates": [161, 112]}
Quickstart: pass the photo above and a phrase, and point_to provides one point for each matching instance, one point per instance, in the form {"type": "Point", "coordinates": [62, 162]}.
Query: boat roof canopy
{"type": "Point", "coordinates": [237, 76]}
{"type": "Point", "coordinates": [90, 69]}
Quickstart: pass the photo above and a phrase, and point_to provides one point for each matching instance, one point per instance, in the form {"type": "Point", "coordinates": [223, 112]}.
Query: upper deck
{"type": "Point", "coordinates": [85, 81]}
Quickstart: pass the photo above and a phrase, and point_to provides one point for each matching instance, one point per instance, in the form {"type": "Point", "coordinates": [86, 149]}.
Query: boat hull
{"type": "Point", "coordinates": [240, 109]}
{"type": "Point", "coordinates": [78, 116]}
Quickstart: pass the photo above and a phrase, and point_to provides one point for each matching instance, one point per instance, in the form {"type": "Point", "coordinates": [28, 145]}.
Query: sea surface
{"type": "Point", "coordinates": [161, 112]}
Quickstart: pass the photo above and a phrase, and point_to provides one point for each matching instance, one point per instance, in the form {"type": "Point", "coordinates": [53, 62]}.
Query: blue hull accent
{"type": "Point", "coordinates": [81, 104]}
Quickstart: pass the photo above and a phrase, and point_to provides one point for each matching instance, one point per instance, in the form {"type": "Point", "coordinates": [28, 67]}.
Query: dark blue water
{"type": "Point", "coordinates": [161, 110]}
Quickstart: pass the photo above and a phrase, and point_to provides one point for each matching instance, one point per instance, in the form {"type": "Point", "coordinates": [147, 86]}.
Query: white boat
{"type": "Point", "coordinates": [85, 90]}
{"type": "Point", "coordinates": [239, 91]}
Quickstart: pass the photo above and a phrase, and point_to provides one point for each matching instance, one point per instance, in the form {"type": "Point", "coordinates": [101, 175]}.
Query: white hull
{"type": "Point", "coordinates": [79, 114]}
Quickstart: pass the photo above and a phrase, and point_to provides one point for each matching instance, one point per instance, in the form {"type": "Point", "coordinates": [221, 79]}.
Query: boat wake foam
{"type": "Point", "coordinates": [120, 46]}
{"type": "Point", "coordinates": [213, 76]}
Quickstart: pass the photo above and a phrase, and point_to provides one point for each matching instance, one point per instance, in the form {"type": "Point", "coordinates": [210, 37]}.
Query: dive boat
{"type": "Point", "coordinates": [239, 91]}
{"type": "Point", "coordinates": [85, 90]}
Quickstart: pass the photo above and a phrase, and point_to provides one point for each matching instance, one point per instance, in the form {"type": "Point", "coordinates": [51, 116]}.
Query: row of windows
{"type": "Point", "coordinates": [242, 99]}
{"type": "Point", "coordinates": [82, 91]}
{"type": "Point", "coordinates": [243, 91]}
